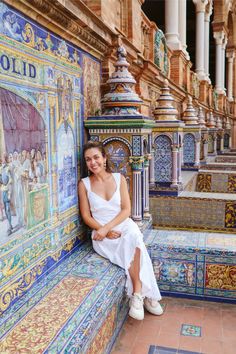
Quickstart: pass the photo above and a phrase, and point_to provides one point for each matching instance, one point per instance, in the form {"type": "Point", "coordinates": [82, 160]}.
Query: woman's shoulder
{"type": "Point", "coordinates": [85, 181]}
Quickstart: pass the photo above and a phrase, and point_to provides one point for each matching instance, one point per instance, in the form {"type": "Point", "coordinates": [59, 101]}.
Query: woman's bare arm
{"type": "Point", "coordinates": [85, 208]}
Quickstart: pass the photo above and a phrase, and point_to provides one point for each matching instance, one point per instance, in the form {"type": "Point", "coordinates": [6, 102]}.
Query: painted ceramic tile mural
{"type": "Point", "coordinates": [41, 101]}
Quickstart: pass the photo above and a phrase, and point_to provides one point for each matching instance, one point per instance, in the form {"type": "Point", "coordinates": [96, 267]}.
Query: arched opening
{"type": "Point", "coordinates": [226, 141]}
{"type": "Point", "coordinates": [163, 159]}
{"type": "Point", "coordinates": [118, 154]}
{"type": "Point", "coordinates": [189, 149]}
{"type": "Point", "coordinates": [218, 143]}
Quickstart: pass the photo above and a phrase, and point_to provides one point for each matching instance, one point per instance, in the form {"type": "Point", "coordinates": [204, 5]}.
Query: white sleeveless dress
{"type": "Point", "coordinates": [121, 251]}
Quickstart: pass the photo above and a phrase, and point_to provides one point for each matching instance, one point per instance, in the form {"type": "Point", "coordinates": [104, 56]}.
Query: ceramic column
{"type": "Point", "coordinates": [172, 24]}
{"type": "Point", "coordinates": [174, 181]}
{"type": "Point", "coordinates": [230, 58]}
{"type": "Point", "coordinates": [137, 167]}
{"type": "Point", "coordinates": [180, 158]}
{"type": "Point", "coordinates": [205, 148]}
{"type": "Point", "coordinates": [206, 38]}
{"type": "Point", "coordinates": [219, 36]}
{"type": "Point", "coordinates": [146, 213]}
{"type": "Point", "coordinates": [197, 152]}
{"type": "Point", "coordinates": [200, 38]}
{"type": "Point", "coordinates": [152, 170]}
{"type": "Point", "coordinates": [222, 143]}
{"type": "Point", "coordinates": [215, 144]}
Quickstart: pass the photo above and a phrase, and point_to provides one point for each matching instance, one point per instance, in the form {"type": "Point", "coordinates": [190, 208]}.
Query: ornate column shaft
{"type": "Point", "coordinates": [174, 181]}
{"type": "Point", "coordinates": [172, 24]}
{"type": "Point", "coordinates": [180, 158]}
{"type": "Point", "coordinates": [137, 167]}
{"type": "Point", "coordinates": [205, 149]}
{"type": "Point", "coordinates": [146, 213]}
{"type": "Point", "coordinates": [222, 143]}
{"type": "Point", "coordinates": [197, 152]}
{"type": "Point", "coordinates": [200, 17]}
{"type": "Point", "coordinates": [152, 170]}
{"type": "Point", "coordinates": [230, 57]}
{"type": "Point", "coordinates": [219, 36]}
{"type": "Point", "coordinates": [215, 145]}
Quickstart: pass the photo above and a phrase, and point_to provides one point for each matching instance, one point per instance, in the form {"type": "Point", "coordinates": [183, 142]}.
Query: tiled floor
{"type": "Point", "coordinates": [211, 330]}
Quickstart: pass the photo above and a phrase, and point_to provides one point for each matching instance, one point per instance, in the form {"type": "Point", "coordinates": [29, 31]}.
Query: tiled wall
{"type": "Point", "coordinates": [46, 86]}
{"type": "Point", "coordinates": [193, 213]}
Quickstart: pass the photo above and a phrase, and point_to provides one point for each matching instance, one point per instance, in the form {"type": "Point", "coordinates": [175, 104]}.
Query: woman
{"type": "Point", "coordinates": [105, 208]}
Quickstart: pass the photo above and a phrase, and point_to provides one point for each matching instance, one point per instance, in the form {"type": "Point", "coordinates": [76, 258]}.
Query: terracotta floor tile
{"type": "Point", "coordinates": [166, 340]}
{"type": "Point", "coordinates": [174, 307]}
{"type": "Point", "coordinates": [140, 348]}
{"type": "Point", "coordinates": [229, 347]}
{"type": "Point", "coordinates": [229, 333]}
{"type": "Point", "coordinates": [216, 320]}
{"type": "Point", "coordinates": [190, 343]}
{"type": "Point", "coordinates": [211, 346]}
{"type": "Point", "coordinates": [171, 326]}
{"type": "Point", "coordinates": [212, 331]}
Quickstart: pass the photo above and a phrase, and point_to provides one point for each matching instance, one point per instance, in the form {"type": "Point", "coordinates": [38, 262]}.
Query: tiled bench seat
{"type": "Point", "coordinates": [194, 264]}
{"type": "Point", "coordinates": [79, 307]}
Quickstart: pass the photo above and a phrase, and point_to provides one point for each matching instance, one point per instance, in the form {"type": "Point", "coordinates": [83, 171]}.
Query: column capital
{"type": "Point", "coordinates": [230, 53]}
{"type": "Point", "coordinates": [208, 11]}
{"type": "Point", "coordinates": [136, 162]}
{"type": "Point", "coordinates": [219, 36]}
{"type": "Point", "coordinates": [200, 5]}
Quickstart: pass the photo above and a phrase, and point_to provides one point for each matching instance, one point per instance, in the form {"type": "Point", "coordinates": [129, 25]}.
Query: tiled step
{"type": "Point", "coordinates": [79, 307]}
{"type": "Point", "coordinates": [194, 264]}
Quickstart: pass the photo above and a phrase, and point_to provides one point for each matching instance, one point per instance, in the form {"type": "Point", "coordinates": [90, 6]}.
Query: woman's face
{"type": "Point", "coordinates": [94, 160]}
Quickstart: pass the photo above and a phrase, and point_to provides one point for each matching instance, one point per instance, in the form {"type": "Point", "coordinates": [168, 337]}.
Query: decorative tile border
{"type": "Point", "coordinates": [190, 330]}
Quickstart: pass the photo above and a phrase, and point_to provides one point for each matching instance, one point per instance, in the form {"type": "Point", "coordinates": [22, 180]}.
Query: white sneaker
{"type": "Point", "coordinates": [136, 307]}
{"type": "Point", "coordinates": [153, 306]}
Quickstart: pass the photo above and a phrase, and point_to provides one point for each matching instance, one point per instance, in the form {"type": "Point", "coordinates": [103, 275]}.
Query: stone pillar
{"type": "Point", "coordinates": [152, 170]}
{"type": "Point", "coordinates": [206, 39]}
{"type": "Point", "coordinates": [219, 36]}
{"type": "Point", "coordinates": [182, 26]}
{"type": "Point", "coordinates": [172, 24]}
{"type": "Point", "coordinates": [137, 167]}
{"type": "Point", "coordinates": [200, 17]}
{"type": "Point", "coordinates": [146, 213]}
{"type": "Point", "coordinates": [230, 57]}
{"type": "Point", "coordinates": [197, 152]}
{"type": "Point", "coordinates": [174, 181]}
{"type": "Point", "coordinates": [223, 62]}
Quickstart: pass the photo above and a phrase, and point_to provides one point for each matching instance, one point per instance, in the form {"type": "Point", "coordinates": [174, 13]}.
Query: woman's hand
{"type": "Point", "coordinates": [113, 234]}
{"type": "Point", "coordinates": [101, 233]}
